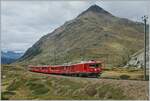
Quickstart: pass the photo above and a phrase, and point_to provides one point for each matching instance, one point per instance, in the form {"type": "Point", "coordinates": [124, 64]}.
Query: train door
{"type": "Point", "coordinates": [88, 69]}
{"type": "Point", "coordinates": [81, 68]}
{"type": "Point", "coordinates": [76, 68]}
{"type": "Point", "coordinates": [72, 69]}
{"type": "Point", "coordinates": [65, 69]}
{"type": "Point", "coordinates": [49, 69]}
{"type": "Point", "coordinates": [36, 69]}
{"type": "Point", "coordinates": [85, 68]}
{"type": "Point", "coordinates": [42, 69]}
{"type": "Point", "coordinates": [52, 69]}
{"type": "Point", "coordinates": [62, 70]}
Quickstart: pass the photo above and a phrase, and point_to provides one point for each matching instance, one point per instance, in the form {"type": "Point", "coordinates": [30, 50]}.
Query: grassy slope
{"type": "Point", "coordinates": [18, 83]}
{"type": "Point", "coordinates": [90, 36]}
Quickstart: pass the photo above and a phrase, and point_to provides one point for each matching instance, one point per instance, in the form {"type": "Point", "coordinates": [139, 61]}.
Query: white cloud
{"type": "Point", "coordinates": [24, 22]}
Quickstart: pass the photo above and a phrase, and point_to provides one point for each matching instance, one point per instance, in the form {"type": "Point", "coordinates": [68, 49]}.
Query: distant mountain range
{"type": "Point", "coordinates": [9, 57]}
{"type": "Point", "coordinates": [93, 34]}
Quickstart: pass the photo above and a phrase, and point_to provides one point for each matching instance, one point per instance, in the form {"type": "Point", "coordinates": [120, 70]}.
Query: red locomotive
{"type": "Point", "coordinates": [90, 68]}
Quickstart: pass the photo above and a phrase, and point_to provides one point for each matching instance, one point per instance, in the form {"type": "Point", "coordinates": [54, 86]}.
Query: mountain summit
{"type": "Point", "coordinates": [94, 34]}
{"type": "Point", "coordinates": [95, 9]}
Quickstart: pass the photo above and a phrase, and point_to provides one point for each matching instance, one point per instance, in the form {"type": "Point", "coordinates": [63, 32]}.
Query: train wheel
{"type": "Point", "coordinates": [98, 75]}
{"type": "Point", "coordinates": [77, 75]}
{"type": "Point", "coordinates": [80, 75]}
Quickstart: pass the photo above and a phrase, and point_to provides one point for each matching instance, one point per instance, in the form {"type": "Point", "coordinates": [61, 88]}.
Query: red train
{"type": "Point", "coordinates": [90, 68]}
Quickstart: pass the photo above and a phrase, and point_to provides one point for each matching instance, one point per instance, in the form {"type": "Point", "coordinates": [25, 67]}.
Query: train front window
{"type": "Point", "coordinates": [95, 65]}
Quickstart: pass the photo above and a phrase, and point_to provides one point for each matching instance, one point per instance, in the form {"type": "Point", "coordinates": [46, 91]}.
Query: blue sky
{"type": "Point", "coordinates": [24, 22]}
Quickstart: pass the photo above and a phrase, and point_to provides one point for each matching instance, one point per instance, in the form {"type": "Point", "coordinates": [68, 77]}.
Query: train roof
{"type": "Point", "coordinates": [88, 62]}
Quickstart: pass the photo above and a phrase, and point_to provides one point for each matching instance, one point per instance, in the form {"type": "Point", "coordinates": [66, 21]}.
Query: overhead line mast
{"type": "Point", "coordinates": [144, 18]}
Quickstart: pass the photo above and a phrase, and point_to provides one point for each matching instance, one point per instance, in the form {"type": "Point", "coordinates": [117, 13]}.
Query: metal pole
{"type": "Point", "coordinates": [145, 50]}
{"type": "Point", "coordinates": [145, 20]}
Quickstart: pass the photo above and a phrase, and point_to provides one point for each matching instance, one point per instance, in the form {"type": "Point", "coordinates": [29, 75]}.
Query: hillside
{"type": "Point", "coordinates": [93, 34]}
{"type": "Point", "coordinates": [20, 84]}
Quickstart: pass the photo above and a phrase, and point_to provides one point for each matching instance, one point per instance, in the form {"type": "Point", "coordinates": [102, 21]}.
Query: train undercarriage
{"type": "Point", "coordinates": [84, 74]}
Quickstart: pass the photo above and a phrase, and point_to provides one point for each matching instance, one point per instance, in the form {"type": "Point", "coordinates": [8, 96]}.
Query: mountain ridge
{"type": "Point", "coordinates": [102, 32]}
{"type": "Point", "coordinates": [9, 57]}
{"type": "Point", "coordinates": [96, 9]}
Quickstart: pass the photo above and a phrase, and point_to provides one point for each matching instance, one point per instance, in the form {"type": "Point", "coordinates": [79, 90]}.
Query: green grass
{"type": "Point", "coordinates": [91, 90]}
{"type": "Point", "coordinates": [38, 86]}
{"type": "Point", "coordinates": [109, 91]}
{"type": "Point", "coordinates": [6, 95]}
{"type": "Point", "coordinates": [55, 88]}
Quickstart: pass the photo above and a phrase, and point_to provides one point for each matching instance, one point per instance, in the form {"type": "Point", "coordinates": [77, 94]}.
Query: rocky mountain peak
{"type": "Point", "coordinates": [95, 9]}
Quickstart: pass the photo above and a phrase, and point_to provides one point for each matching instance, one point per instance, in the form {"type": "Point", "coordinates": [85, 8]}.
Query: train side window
{"type": "Point", "coordinates": [95, 65]}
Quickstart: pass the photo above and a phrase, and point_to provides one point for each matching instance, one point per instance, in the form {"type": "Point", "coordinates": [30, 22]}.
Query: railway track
{"type": "Point", "coordinates": [86, 78]}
